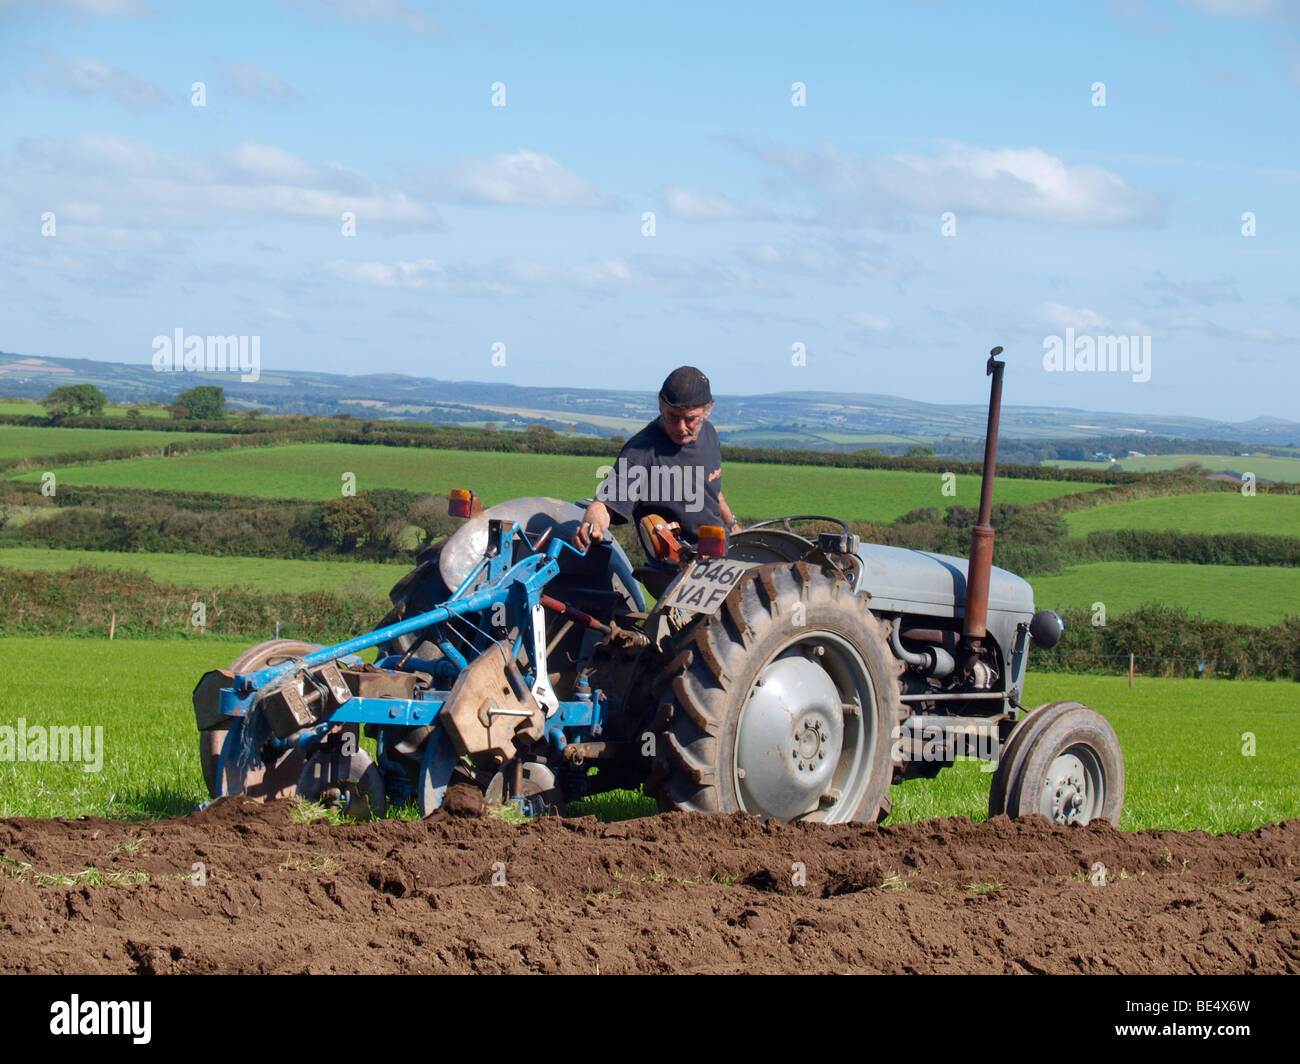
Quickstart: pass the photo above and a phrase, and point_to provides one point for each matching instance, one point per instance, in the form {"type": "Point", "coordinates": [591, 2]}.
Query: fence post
{"type": "Point", "coordinates": [1130, 670]}
{"type": "Point", "coordinates": [112, 624]}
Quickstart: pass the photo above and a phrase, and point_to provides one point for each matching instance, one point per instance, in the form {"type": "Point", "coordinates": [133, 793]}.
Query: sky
{"type": "Point", "coordinates": [859, 197]}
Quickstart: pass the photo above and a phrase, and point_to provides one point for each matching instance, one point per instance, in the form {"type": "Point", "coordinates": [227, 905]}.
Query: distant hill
{"type": "Point", "coordinates": [810, 420]}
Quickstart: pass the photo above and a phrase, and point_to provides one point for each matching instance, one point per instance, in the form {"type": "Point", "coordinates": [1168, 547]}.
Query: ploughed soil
{"type": "Point", "coordinates": [675, 893]}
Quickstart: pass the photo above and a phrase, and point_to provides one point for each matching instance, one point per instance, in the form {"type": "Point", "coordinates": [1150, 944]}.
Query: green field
{"type": "Point", "coordinates": [1210, 512]}
{"type": "Point", "coordinates": [1183, 760]}
{"type": "Point", "coordinates": [316, 471]}
{"type": "Point", "coordinates": [1266, 467]}
{"type": "Point", "coordinates": [867, 439]}
{"type": "Point", "coordinates": [200, 570]}
{"type": "Point", "coordinates": [31, 408]}
{"type": "Point", "coordinates": [19, 441]}
{"type": "Point", "coordinates": [1246, 594]}
{"type": "Point", "coordinates": [1182, 740]}
{"type": "Point", "coordinates": [627, 425]}
{"type": "Point", "coordinates": [22, 408]}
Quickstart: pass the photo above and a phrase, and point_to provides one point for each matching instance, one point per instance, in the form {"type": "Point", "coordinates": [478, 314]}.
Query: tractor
{"type": "Point", "coordinates": [786, 671]}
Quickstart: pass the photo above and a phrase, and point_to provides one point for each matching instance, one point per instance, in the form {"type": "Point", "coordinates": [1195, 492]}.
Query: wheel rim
{"type": "Point", "coordinates": [806, 738]}
{"type": "Point", "coordinates": [1074, 788]}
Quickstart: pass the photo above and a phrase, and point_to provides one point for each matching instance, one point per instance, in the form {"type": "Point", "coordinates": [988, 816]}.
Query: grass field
{"type": "Point", "coordinates": [627, 425]}
{"type": "Point", "coordinates": [1266, 467]}
{"type": "Point", "coordinates": [1182, 741]}
{"type": "Point", "coordinates": [1212, 512]}
{"type": "Point", "coordinates": [190, 570]}
{"type": "Point", "coordinates": [1247, 594]}
{"type": "Point", "coordinates": [22, 408]}
{"type": "Point", "coordinates": [19, 441]}
{"type": "Point", "coordinates": [316, 470]}
{"type": "Point", "coordinates": [866, 439]}
{"type": "Point", "coordinates": [31, 408]}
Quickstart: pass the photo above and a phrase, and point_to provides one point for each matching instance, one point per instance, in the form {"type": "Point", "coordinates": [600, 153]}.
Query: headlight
{"type": "Point", "coordinates": [1046, 629]}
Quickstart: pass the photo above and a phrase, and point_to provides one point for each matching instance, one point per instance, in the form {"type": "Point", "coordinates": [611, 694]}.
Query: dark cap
{"type": "Point", "coordinates": [686, 387]}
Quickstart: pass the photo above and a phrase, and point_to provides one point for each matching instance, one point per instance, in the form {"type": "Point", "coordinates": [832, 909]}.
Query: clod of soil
{"type": "Point", "coordinates": [463, 799]}
{"type": "Point", "coordinates": [240, 887]}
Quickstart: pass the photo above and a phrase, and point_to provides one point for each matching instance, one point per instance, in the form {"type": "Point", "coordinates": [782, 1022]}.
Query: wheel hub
{"type": "Point", "coordinates": [789, 739]}
{"type": "Point", "coordinates": [1067, 795]}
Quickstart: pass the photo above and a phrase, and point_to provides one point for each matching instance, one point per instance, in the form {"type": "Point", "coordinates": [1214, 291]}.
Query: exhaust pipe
{"type": "Point", "coordinates": [978, 568]}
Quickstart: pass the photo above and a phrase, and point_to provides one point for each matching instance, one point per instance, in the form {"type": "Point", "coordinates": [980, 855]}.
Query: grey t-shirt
{"type": "Point", "coordinates": [652, 474]}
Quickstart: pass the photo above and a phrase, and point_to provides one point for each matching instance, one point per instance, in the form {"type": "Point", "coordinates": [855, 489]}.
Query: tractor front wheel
{"type": "Point", "coordinates": [785, 703]}
{"type": "Point", "coordinates": [1064, 761]}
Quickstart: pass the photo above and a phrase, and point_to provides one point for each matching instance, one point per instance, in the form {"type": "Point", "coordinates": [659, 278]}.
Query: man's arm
{"type": "Point", "coordinates": [595, 523]}
{"type": "Point", "coordinates": [727, 516]}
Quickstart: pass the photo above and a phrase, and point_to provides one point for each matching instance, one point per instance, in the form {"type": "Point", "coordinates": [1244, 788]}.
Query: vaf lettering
{"type": "Point", "coordinates": [103, 1017]}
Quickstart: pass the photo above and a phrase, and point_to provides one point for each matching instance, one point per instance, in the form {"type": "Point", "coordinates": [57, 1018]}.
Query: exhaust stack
{"type": "Point", "coordinates": [978, 568]}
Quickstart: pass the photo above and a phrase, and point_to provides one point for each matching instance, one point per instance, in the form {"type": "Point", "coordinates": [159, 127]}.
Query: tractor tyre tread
{"type": "Point", "coordinates": [712, 657]}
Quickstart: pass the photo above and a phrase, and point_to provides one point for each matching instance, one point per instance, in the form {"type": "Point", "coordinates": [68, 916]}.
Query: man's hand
{"type": "Point", "coordinates": [595, 523]}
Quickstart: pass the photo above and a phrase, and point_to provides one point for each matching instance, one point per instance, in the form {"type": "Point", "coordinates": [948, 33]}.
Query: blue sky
{"type": "Point", "coordinates": [774, 224]}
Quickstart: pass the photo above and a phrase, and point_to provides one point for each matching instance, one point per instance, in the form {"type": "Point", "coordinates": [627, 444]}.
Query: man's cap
{"type": "Point", "coordinates": [686, 387]}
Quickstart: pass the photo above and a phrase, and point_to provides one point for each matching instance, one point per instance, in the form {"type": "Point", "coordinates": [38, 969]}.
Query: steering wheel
{"type": "Point", "coordinates": [784, 522]}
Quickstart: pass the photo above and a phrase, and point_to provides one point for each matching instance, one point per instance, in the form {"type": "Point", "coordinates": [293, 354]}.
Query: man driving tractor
{"type": "Point", "coordinates": [672, 467]}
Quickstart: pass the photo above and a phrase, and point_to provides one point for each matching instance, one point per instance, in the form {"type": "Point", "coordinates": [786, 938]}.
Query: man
{"type": "Point", "coordinates": [672, 467]}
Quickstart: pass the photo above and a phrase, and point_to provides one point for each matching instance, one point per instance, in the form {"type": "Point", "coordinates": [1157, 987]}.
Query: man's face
{"type": "Point", "coordinates": [683, 424]}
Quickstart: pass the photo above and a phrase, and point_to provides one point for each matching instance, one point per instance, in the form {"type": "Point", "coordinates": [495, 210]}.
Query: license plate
{"type": "Point", "coordinates": [705, 585]}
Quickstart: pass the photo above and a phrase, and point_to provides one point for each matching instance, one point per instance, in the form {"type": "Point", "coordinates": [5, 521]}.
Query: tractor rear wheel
{"type": "Point", "coordinates": [1063, 761]}
{"type": "Point", "coordinates": [785, 703]}
{"type": "Point", "coordinates": [272, 652]}
{"type": "Point", "coordinates": [250, 776]}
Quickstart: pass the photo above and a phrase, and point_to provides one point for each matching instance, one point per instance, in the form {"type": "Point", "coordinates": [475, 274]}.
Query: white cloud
{"type": "Point", "coordinates": [603, 275]}
{"type": "Point", "coordinates": [657, 275]}
{"type": "Point", "coordinates": [105, 8]}
{"type": "Point", "coordinates": [1284, 13]}
{"type": "Point", "coordinates": [798, 259]}
{"type": "Point", "coordinates": [265, 161]}
{"type": "Point", "coordinates": [424, 275]}
{"type": "Point", "coordinates": [873, 322]}
{"type": "Point", "coordinates": [256, 83]}
{"type": "Point", "coordinates": [1239, 8]}
{"type": "Point", "coordinates": [699, 207]}
{"type": "Point", "coordinates": [129, 185]}
{"type": "Point", "coordinates": [1025, 183]}
{"type": "Point", "coordinates": [1205, 293]}
{"type": "Point", "coordinates": [1059, 317]}
{"type": "Point", "coordinates": [90, 77]}
{"type": "Point", "coordinates": [523, 178]}
{"type": "Point", "coordinates": [836, 261]}
{"type": "Point", "coordinates": [391, 14]}
{"type": "Point", "coordinates": [1254, 334]}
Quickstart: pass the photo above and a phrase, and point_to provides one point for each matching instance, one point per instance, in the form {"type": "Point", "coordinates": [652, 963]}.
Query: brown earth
{"type": "Point", "coordinates": [676, 893]}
